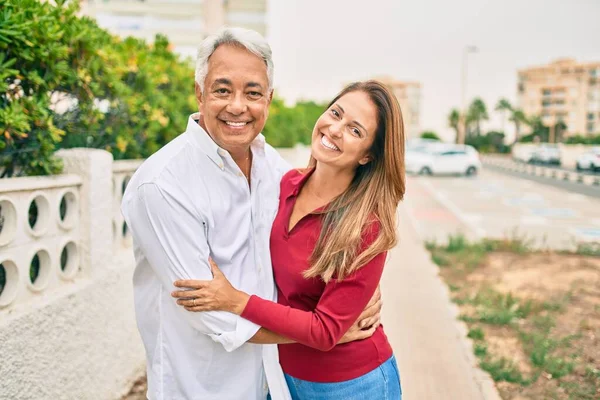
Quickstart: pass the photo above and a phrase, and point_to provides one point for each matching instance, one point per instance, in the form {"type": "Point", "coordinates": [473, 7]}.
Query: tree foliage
{"type": "Point", "coordinates": [65, 82]}
{"type": "Point", "coordinates": [430, 135]}
{"type": "Point", "coordinates": [287, 126]}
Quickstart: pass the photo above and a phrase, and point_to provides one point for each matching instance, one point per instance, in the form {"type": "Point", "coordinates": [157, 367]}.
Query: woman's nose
{"type": "Point", "coordinates": [335, 130]}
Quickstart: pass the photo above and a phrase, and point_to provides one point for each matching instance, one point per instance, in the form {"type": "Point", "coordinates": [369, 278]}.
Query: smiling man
{"type": "Point", "coordinates": [211, 192]}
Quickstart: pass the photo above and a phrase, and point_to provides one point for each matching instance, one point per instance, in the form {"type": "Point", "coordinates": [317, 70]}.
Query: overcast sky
{"type": "Point", "coordinates": [319, 45]}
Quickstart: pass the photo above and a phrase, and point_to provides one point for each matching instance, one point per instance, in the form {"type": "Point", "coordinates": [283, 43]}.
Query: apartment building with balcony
{"type": "Point", "coordinates": [184, 22]}
{"type": "Point", "coordinates": [562, 91]}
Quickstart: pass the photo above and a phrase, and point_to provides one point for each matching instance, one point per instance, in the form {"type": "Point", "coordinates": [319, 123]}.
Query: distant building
{"type": "Point", "coordinates": [184, 22]}
{"type": "Point", "coordinates": [563, 90]}
{"type": "Point", "coordinates": [409, 97]}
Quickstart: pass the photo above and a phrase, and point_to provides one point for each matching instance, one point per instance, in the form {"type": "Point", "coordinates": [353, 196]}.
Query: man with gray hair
{"type": "Point", "coordinates": [211, 192]}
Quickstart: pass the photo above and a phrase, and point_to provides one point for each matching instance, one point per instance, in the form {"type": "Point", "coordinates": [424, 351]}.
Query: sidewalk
{"type": "Point", "coordinates": [434, 357]}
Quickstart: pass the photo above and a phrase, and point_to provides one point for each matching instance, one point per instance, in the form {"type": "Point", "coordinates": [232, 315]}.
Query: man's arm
{"type": "Point", "coordinates": [172, 237]}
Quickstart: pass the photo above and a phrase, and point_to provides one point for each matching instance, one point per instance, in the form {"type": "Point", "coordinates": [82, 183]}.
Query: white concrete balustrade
{"type": "Point", "coordinates": [67, 327]}
{"type": "Point", "coordinates": [39, 236]}
{"type": "Point", "coordinates": [122, 172]}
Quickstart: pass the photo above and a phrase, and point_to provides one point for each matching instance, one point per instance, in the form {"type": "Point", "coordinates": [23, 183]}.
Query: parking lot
{"type": "Point", "coordinates": [498, 205]}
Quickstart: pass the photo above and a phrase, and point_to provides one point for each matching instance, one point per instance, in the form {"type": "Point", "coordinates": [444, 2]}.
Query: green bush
{"type": "Point", "coordinates": [430, 135]}
{"type": "Point", "coordinates": [287, 126]}
{"type": "Point", "coordinates": [492, 142]}
{"type": "Point", "coordinates": [65, 82]}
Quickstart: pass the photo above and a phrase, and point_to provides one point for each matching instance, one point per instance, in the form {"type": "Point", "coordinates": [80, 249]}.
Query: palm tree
{"type": "Point", "coordinates": [504, 107]}
{"type": "Point", "coordinates": [518, 117]}
{"type": "Point", "coordinates": [454, 122]}
{"type": "Point", "coordinates": [477, 112]}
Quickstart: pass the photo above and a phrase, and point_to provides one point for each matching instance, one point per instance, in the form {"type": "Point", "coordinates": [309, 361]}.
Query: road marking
{"type": "Point", "coordinates": [526, 200]}
{"type": "Point", "coordinates": [553, 212]}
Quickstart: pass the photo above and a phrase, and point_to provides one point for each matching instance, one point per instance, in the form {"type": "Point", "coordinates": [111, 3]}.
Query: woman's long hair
{"type": "Point", "coordinates": [372, 197]}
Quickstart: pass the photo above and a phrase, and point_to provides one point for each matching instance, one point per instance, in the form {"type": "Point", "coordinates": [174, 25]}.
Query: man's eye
{"type": "Point", "coordinates": [255, 94]}
{"type": "Point", "coordinates": [222, 91]}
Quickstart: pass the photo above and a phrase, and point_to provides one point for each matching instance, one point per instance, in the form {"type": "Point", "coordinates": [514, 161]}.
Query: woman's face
{"type": "Point", "coordinates": [343, 135]}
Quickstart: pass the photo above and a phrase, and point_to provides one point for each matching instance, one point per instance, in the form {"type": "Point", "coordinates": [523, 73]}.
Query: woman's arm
{"type": "Point", "coordinates": [218, 294]}
{"type": "Point", "coordinates": [337, 310]}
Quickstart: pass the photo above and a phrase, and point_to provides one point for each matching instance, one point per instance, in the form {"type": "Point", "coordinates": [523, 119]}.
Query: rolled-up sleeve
{"type": "Point", "coordinates": [172, 237]}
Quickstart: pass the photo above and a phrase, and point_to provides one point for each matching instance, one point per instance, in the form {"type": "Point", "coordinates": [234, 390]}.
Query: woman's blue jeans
{"type": "Point", "coordinates": [383, 383]}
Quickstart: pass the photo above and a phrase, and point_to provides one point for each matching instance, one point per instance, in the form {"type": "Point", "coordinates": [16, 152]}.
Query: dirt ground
{"type": "Point", "coordinates": [568, 286]}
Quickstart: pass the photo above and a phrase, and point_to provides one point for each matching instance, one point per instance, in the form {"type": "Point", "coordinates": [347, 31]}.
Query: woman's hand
{"type": "Point", "coordinates": [214, 295]}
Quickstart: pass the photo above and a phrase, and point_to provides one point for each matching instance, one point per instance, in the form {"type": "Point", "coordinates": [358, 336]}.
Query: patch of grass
{"type": "Point", "coordinates": [541, 348]}
{"type": "Point", "coordinates": [430, 245]}
{"type": "Point", "coordinates": [503, 370]}
{"type": "Point", "coordinates": [498, 308]}
{"type": "Point", "coordinates": [457, 243]}
{"type": "Point", "coordinates": [440, 260]}
{"type": "Point", "coordinates": [480, 350]}
{"type": "Point", "coordinates": [516, 243]}
{"type": "Point", "coordinates": [476, 334]}
{"type": "Point", "coordinates": [588, 249]}
{"type": "Point", "coordinates": [453, 288]}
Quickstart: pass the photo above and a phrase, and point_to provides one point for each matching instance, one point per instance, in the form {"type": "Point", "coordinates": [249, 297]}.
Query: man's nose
{"type": "Point", "coordinates": [237, 105]}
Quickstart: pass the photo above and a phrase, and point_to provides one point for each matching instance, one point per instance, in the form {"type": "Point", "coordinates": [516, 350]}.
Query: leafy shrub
{"type": "Point", "coordinates": [65, 82]}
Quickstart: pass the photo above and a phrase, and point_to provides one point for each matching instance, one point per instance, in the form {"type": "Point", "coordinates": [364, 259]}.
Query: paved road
{"type": "Point", "coordinates": [573, 187]}
{"type": "Point", "coordinates": [495, 204]}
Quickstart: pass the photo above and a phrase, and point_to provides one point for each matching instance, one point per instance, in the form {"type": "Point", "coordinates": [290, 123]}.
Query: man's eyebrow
{"type": "Point", "coordinates": [253, 85]}
{"type": "Point", "coordinates": [223, 81]}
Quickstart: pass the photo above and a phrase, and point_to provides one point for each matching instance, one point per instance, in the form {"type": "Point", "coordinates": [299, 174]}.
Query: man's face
{"type": "Point", "coordinates": [236, 98]}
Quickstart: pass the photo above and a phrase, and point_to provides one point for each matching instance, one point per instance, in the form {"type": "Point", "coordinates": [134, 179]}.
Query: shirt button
{"type": "Point", "coordinates": [240, 174]}
{"type": "Point", "coordinates": [221, 152]}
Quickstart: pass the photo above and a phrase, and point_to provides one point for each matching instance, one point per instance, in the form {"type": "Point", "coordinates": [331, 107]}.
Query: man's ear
{"type": "Point", "coordinates": [198, 95]}
{"type": "Point", "coordinates": [271, 96]}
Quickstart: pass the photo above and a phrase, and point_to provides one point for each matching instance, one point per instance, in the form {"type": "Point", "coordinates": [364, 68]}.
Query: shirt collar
{"type": "Point", "coordinates": [210, 148]}
{"type": "Point", "coordinates": [298, 181]}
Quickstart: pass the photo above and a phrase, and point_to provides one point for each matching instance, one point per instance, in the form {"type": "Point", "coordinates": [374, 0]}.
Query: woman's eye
{"type": "Point", "coordinates": [334, 112]}
{"type": "Point", "coordinates": [356, 131]}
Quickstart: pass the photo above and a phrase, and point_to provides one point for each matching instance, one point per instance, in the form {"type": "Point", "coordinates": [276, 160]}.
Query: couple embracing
{"type": "Point", "coordinates": [253, 280]}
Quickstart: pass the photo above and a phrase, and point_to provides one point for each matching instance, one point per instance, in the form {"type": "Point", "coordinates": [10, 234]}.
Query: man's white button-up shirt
{"type": "Point", "coordinates": [186, 203]}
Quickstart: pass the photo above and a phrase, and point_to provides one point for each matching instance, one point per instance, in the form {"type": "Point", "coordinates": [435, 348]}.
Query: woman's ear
{"type": "Point", "coordinates": [365, 160]}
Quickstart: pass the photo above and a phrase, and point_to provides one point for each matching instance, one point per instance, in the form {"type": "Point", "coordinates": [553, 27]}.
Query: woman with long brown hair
{"type": "Point", "coordinates": [335, 224]}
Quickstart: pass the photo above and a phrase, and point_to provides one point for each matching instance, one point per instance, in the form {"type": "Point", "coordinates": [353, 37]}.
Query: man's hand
{"type": "Point", "coordinates": [367, 322]}
{"type": "Point", "coordinates": [371, 315]}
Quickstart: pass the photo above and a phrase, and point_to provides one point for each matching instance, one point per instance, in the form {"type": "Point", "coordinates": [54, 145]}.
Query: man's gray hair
{"type": "Point", "coordinates": [246, 38]}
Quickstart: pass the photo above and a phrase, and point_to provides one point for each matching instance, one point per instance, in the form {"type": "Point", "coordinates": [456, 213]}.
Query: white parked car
{"type": "Point", "coordinates": [589, 160]}
{"type": "Point", "coordinates": [443, 159]}
{"type": "Point", "coordinates": [523, 154]}
{"type": "Point", "coordinates": [546, 153]}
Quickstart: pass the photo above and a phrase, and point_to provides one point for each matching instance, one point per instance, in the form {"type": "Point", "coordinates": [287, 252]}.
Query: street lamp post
{"type": "Point", "coordinates": [463, 114]}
